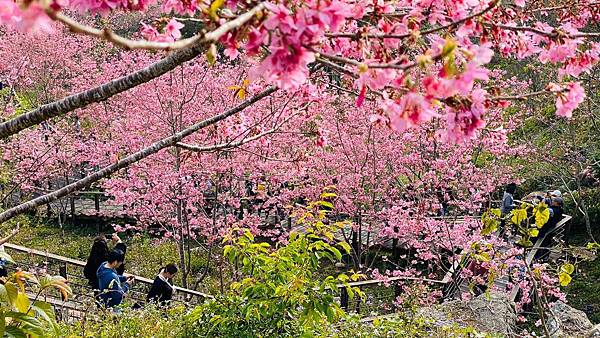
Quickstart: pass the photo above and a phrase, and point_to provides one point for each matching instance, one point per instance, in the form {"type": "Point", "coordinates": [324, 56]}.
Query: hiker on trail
{"type": "Point", "coordinates": [98, 255]}
{"type": "Point", "coordinates": [162, 289]}
{"type": "Point", "coordinates": [113, 287]}
{"type": "Point", "coordinates": [508, 204]}
{"type": "Point", "coordinates": [508, 200]}
{"type": "Point", "coordinates": [556, 215]}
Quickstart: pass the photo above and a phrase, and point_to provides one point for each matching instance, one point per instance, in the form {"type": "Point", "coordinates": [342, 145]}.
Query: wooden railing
{"type": "Point", "coordinates": [82, 299]}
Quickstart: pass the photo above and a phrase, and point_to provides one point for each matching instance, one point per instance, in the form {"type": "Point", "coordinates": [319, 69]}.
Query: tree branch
{"type": "Point", "coordinates": [133, 158]}
{"type": "Point", "coordinates": [116, 86]}
{"type": "Point", "coordinates": [126, 43]}
{"type": "Point", "coordinates": [227, 145]}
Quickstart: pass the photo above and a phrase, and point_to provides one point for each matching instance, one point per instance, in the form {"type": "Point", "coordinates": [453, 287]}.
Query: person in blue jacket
{"type": "Point", "coordinates": [113, 286]}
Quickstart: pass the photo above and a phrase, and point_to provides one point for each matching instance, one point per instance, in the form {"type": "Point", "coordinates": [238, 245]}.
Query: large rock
{"type": "Point", "coordinates": [493, 314]}
{"type": "Point", "coordinates": [565, 321]}
{"type": "Point", "coordinates": [594, 332]}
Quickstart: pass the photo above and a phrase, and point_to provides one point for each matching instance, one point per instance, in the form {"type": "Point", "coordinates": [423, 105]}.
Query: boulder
{"type": "Point", "coordinates": [594, 332]}
{"type": "Point", "coordinates": [566, 321]}
{"type": "Point", "coordinates": [492, 314]}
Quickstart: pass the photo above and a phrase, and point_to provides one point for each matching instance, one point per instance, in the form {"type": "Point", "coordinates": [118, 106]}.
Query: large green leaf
{"type": "Point", "coordinates": [518, 216]}
{"type": "Point", "coordinates": [542, 215]}
{"type": "Point", "coordinates": [8, 293]}
{"type": "Point", "coordinates": [22, 302]}
{"type": "Point", "coordinates": [15, 332]}
{"type": "Point", "coordinates": [44, 311]}
{"type": "Point", "coordinates": [564, 279]}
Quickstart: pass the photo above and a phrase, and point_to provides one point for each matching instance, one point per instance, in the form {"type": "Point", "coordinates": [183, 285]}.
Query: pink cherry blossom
{"type": "Point", "coordinates": [567, 103]}
{"type": "Point", "coordinates": [172, 29]}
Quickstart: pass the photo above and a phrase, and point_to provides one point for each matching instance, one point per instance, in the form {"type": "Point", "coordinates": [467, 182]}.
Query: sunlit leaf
{"type": "Point", "coordinates": [518, 216]}
{"type": "Point", "coordinates": [22, 302]}
{"type": "Point", "coordinates": [214, 7]}
{"type": "Point", "coordinates": [567, 268]}
{"type": "Point", "coordinates": [542, 215]}
{"type": "Point", "coordinates": [534, 232]}
{"type": "Point", "coordinates": [564, 279]}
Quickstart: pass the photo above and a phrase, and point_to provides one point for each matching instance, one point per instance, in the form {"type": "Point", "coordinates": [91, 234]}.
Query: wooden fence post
{"type": "Point", "coordinates": [97, 202]}
{"type": "Point", "coordinates": [344, 298]}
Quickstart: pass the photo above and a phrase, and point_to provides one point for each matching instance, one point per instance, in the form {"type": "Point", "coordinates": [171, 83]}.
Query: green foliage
{"type": "Point", "coordinates": [148, 322]}
{"type": "Point", "coordinates": [25, 102]}
{"type": "Point", "coordinates": [279, 294]}
{"type": "Point", "coordinates": [22, 316]}
{"type": "Point", "coordinates": [584, 290]}
{"type": "Point", "coordinates": [527, 220]}
{"type": "Point", "coordinates": [399, 325]}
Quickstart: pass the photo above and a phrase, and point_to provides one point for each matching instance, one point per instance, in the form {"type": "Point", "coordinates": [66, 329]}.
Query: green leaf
{"type": "Point", "coordinates": [542, 215]}
{"type": "Point", "coordinates": [567, 268]}
{"type": "Point", "coordinates": [525, 243]}
{"type": "Point", "coordinates": [345, 246]}
{"type": "Point", "coordinates": [449, 47]}
{"type": "Point", "coordinates": [211, 55]}
{"type": "Point", "coordinates": [22, 302]}
{"type": "Point", "coordinates": [482, 257]}
{"type": "Point", "coordinates": [592, 246]}
{"type": "Point", "coordinates": [15, 332]}
{"type": "Point", "coordinates": [518, 216]}
{"type": "Point", "coordinates": [564, 279]}
{"type": "Point", "coordinates": [490, 221]}
{"type": "Point", "coordinates": [44, 310]}
{"type": "Point", "coordinates": [328, 195]}
{"type": "Point", "coordinates": [29, 324]}
{"type": "Point", "coordinates": [214, 7]}
{"type": "Point", "coordinates": [325, 204]}
{"type": "Point", "coordinates": [534, 232]}
{"type": "Point", "coordinates": [8, 293]}
{"type": "Point", "coordinates": [2, 324]}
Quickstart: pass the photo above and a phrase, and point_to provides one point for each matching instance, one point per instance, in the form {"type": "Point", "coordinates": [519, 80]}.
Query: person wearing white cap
{"type": "Point", "coordinates": [556, 193]}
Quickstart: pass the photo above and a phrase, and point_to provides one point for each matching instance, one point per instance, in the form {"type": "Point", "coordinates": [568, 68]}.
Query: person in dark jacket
{"type": "Point", "coordinates": [99, 254]}
{"type": "Point", "coordinates": [162, 289]}
{"type": "Point", "coordinates": [113, 286]}
{"type": "Point", "coordinates": [556, 215]}
{"type": "Point", "coordinates": [508, 204]}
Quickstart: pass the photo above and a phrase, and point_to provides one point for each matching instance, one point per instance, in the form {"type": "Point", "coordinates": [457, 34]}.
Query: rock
{"type": "Point", "coordinates": [594, 332]}
{"type": "Point", "coordinates": [493, 314]}
{"type": "Point", "coordinates": [565, 321]}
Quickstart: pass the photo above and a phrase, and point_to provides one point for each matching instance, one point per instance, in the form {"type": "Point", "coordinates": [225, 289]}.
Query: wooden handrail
{"type": "Point", "coordinates": [391, 279]}
{"type": "Point", "coordinates": [82, 264]}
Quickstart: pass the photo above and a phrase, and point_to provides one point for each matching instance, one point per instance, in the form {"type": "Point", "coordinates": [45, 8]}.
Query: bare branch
{"type": "Point", "coordinates": [229, 145]}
